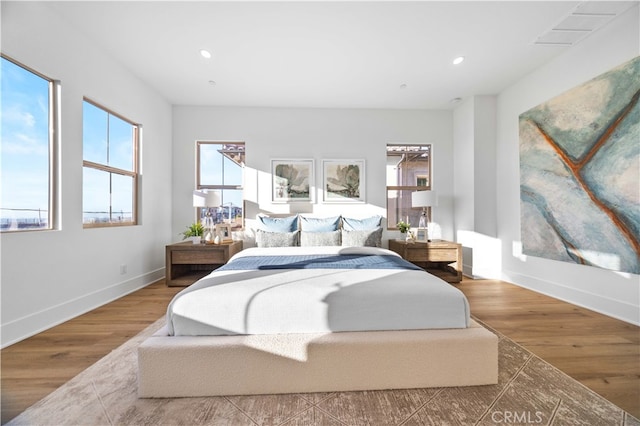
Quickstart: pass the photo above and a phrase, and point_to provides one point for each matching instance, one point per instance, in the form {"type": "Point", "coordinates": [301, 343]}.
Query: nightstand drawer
{"type": "Point", "coordinates": [439, 257]}
{"type": "Point", "coordinates": [443, 255]}
{"type": "Point", "coordinates": [416, 255]}
{"type": "Point", "coordinates": [186, 262]}
{"type": "Point", "coordinates": [199, 257]}
{"type": "Point", "coordinates": [431, 254]}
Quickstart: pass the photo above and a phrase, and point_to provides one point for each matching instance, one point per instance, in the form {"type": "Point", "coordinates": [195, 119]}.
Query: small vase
{"type": "Point", "coordinates": [410, 238]}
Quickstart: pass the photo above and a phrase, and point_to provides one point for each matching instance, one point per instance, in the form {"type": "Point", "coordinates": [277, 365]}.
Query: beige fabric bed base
{"type": "Point", "coordinates": [185, 366]}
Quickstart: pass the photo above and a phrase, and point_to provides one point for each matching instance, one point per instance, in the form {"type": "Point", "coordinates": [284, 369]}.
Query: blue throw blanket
{"type": "Point", "coordinates": [318, 261]}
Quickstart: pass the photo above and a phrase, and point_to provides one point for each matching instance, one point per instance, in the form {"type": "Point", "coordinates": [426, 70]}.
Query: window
{"type": "Point", "coordinates": [110, 167]}
{"type": "Point", "coordinates": [408, 170]}
{"type": "Point", "coordinates": [220, 167]}
{"type": "Point", "coordinates": [28, 117]}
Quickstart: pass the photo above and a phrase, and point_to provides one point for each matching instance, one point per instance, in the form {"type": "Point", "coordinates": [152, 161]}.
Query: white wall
{"type": "Point", "coordinates": [50, 276]}
{"type": "Point", "coordinates": [474, 135]}
{"type": "Point", "coordinates": [464, 161]}
{"type": "Point", "coordinates": [615, 294]}
{"type": "Point", "coordinates": [311, 133]}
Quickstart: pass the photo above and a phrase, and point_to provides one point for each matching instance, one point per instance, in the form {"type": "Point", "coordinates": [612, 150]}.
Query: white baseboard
{"type": "Point", "coordinates": [467, 270]}
{"type": "Point", "coordinates": [27, 326]}
{"type": "Point", "coordinates": [621, 310]}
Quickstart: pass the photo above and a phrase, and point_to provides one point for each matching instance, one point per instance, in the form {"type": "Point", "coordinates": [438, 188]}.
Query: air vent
{"type": "Point", "coordinates": [586, 18]}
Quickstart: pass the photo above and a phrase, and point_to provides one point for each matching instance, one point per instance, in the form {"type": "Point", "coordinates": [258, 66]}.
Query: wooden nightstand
{"type": "Point", "coordinates": [186, 262]}
{"type": "Point", "coordinates": [438, 257]}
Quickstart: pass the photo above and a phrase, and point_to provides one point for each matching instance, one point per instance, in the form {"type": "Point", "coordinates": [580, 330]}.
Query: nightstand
{"type": "Point", "coordinates": [438, 257]}
{"type": "Point", "coordinates": [186, 262]}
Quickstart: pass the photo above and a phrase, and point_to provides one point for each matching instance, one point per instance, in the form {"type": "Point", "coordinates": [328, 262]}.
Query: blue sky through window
{"type": "Point", "coordinates": [107, 141]}
{"type": "Point", "coordinates": [24, 147]}
{"type": "Point", "coordinates": [218, 169]}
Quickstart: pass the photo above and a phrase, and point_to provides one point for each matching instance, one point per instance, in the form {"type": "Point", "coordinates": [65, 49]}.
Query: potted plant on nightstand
{"type": "Point", "coordinates": [405, 228]}
{"type": "Point", "coordinates": [194, 232]}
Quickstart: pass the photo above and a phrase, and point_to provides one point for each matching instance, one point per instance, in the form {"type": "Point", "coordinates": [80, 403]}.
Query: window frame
{"type": "Point", "coordinates": [53, 126]}
{"type": "Point", "coordinates": [411, 188]}
{"type": "Point", "coordinates": [221, 187]}
{"type": "Point", "coordinates": [134, 174]}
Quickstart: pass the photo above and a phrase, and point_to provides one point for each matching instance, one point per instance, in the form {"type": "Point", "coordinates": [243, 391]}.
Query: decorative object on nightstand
{"type": "Point", "coordinates": [194, 233]}
{"type": "Point", "coordinates": [186, 263]}
{"type": "Point", "coordinates": [405, 228]}
{"type": "Point", "coordinates": [424, 199]}
{"type": "Point", "coordinates": [223, 233]}
{"type": "Point", "coordinates": [207, 199]}
{"type": "Point", "coordinates": [438, 257]}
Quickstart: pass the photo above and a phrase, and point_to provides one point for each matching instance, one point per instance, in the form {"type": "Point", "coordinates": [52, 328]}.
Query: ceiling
{"type": "Point", "coordinates": [332, 54]}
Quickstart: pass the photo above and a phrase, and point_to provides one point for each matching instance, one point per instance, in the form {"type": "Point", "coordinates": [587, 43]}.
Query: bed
{"type": "Point", "coordinates": [315, 319]}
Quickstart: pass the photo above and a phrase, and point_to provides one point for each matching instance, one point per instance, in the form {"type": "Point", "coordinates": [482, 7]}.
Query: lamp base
{"type": "Point", "coordinates": [423, 219]}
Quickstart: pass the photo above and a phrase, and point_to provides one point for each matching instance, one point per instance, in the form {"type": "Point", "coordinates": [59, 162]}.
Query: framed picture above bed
{"type": "Point", "coordinates": [343, 181]}
{"type": "Point", "coordinates": [292, 180]}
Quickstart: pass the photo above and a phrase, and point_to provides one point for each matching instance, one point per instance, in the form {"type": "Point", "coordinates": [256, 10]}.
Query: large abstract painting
{"type": "Point", "coordinates": [580, 173]}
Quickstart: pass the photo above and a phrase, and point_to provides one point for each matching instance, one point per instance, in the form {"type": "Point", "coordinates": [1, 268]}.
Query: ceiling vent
{"type": "Point", "coordinates": [586, 18]}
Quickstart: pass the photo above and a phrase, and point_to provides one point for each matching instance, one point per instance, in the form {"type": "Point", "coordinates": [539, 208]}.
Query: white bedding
{"type": "Point", "coordinates": [284, 301]}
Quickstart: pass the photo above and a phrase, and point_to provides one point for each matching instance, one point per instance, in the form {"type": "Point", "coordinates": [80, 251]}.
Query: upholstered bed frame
{"type": "Point", "coordinates": [186, 366]}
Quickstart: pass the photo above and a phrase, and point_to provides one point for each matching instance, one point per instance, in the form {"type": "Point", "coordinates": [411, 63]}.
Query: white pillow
{"type": "Point", "coordinates": [276, 239]}
{"type": "Point", "coordinates": [367, 238]}
{"type": "Point", "coordinates": [309, 239]}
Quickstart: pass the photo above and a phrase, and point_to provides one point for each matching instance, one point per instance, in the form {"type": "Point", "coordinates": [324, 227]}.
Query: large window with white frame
{"type": "Point", "coordinates": [28, 119]}
{"type": "Point", "coordinates": [220, 167]}
{"type": "Point", "coordinates": [408, 170]}
{"type": "Point", "coordinates": [110, 167]}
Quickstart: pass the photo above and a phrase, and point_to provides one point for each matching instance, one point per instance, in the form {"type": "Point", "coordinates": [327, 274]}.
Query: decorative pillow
{"type": "Point", "coordinates": [278, 224]}
{"type": "Point", "coordinates": [276, 239]}
{"type": "Point", "coordinates": [308, 239]}
{"type": "Point", "coordinates": [315, 224]}
{"type": "Point", "coordinates": [367, 238]}
{"type": "Point", "coordinates": [365, 224]}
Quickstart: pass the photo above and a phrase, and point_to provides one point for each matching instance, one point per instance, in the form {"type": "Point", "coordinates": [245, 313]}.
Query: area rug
{"type": "Point", "coordinates": [530, 391]}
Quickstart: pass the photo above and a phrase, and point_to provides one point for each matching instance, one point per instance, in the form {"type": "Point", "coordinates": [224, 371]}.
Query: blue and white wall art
{"type": "Point", "coordinates": [580, 173]}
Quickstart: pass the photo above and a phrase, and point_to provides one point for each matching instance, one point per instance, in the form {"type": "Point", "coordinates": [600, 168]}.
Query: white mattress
{"type": "Point", "coordinates": [284, 301]}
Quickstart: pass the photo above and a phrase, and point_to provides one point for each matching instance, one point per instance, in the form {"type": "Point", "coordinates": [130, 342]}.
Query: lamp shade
{"type": "Point", "coordinates": [206, 198]}
{"type": "Point", "coordinates": [424, 199]}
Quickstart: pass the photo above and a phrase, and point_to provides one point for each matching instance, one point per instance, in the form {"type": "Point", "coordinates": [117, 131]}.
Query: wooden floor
{"type": "Point", "coordinates": [601, 352]}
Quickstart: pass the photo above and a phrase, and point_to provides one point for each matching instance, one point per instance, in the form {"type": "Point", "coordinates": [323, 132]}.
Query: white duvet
{"type": "Point", "coordinates": [315, 300]}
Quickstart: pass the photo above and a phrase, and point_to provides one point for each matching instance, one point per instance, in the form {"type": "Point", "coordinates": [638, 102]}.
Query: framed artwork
{"type": "Point", "coordinates": [291, 180]}
{"type": "Point", "coordinates": [223, 230]}
{"type": "Point", "coordinates": [579, 187]}
{"type": "Point", "coordinates": [343, 181]}
{"type": "Point", "coordinates": [422, 234]}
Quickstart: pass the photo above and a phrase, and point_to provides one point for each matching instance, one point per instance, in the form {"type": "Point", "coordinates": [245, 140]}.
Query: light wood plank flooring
{"type": "Point", "coordinates": [601, 352]}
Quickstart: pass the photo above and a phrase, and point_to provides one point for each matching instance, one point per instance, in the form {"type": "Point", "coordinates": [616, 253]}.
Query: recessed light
{"type": "Point", "coordinates": [458, 60]}
{"type": "Point", "coordinates": [212, 83]}
{"type": "Point", "coordinates": [403, 86]}
{"type": "Point", "coordinates": [455, 100]}
{"type": "Point", "coordinates": [205, 53]}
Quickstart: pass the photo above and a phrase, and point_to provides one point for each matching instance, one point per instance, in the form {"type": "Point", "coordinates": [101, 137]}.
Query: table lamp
{"type": "Point", "coordinates": [207, 199]}
{"type": "Point", "coordinates": [424, 199]}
